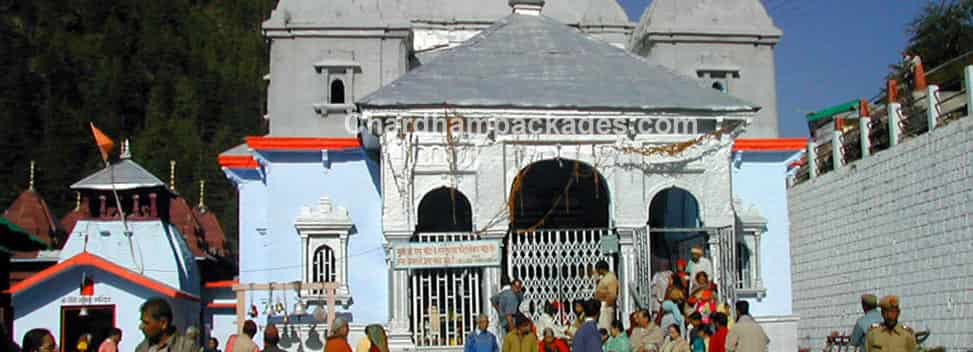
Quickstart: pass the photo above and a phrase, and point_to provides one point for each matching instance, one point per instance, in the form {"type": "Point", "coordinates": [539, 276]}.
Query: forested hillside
{"type": "Point", "coordinates": [182, 79]}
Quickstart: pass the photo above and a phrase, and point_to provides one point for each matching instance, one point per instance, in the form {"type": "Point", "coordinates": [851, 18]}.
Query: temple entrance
{"type": "Point", "coordinates": [445, 302]}
{"type": "Point", "coordinates": [559, 213]}
{"type": "Point", "coordinates": [675, 227]}
{"type": "Point", "coordinates": [77, 321]}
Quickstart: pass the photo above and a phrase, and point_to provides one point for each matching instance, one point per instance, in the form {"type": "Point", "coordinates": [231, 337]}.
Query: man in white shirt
{"type": "Point", "coordinates": [698, 264]}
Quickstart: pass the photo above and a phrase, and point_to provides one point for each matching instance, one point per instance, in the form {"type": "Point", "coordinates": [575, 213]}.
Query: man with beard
{"type": "Point", "coordinates": [160, 333]}
{"type": "Point", "coordinates": [890, 335]}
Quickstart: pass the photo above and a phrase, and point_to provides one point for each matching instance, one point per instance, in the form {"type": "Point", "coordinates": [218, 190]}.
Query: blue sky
{"type": "Point", "coordinates": [832, 51]}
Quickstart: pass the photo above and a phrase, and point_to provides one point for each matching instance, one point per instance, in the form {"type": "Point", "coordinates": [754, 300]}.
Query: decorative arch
{"type": "Point", "coordinates": [559, 194]}
{"type": "Point", "coordinates": [675, 207]}
{"type": "Point", "coordinates": [676, 223]}
{"type": "Point", "coordinates": [444, 209]}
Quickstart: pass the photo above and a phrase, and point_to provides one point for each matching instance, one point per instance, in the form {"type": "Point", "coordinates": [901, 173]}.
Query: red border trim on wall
{"type": "Point", "coordinates": [238, 161]}
{"type": "Point", "coordinates": [301, 143]}
{"type": "Point", "coordinates": [770, 144]}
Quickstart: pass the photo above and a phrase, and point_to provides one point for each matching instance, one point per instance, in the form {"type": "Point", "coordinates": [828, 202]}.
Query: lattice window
{"type": "Point", "coordinates": [324, 267]}
{"type": "Point", "coordinates": [445, 302]}
{"type": "Point", "coordinates": [556, 265]}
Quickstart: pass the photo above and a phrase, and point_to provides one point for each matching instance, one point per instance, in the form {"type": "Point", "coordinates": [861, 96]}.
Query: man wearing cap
{"type": "Point", "coordinates": [872, 316]}
{"type": "Point", "coordinates": [698, 264]}
{"type": "Point", "coordinates": [889, 335]}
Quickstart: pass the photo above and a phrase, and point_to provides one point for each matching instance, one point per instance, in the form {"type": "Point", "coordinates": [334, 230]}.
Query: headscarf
{"type": "Point", "coordinates": [670, 307]}
{"type": "Point", "coordinates": [377, 337]}
{"type": "Point", "coordinates": [336, 325]}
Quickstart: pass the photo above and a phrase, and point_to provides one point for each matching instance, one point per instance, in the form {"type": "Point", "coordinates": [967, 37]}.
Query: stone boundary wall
{"type": "Point", "coordinates": [898, 222]}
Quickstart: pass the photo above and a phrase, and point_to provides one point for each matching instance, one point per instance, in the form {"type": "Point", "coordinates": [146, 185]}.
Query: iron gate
{"type": "Point", "coordinates": [723, 253]}
{"type": "Point", "coordinates": [555, 266]}
{"type": "Point", "coordinates": [445, 302]}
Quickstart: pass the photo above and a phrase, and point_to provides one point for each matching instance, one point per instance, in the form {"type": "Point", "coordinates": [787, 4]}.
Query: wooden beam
{"type": "Point", "coordinates": [242, 289]}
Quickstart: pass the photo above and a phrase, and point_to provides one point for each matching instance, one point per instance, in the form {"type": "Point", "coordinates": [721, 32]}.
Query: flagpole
{"type": "Point", "coordinates": [114, 191]}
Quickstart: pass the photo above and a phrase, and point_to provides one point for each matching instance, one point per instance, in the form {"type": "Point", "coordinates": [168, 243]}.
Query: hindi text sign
{"type": "Point", "coordinates": [458, 254]}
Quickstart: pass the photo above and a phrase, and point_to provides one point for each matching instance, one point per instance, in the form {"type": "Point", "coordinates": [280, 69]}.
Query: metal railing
{"type": "Point", "coordinates": [920, 113]}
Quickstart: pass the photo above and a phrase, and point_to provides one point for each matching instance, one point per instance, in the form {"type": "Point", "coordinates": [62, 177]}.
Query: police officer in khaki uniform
{"type": "Point", "coordinates": [890, 336]}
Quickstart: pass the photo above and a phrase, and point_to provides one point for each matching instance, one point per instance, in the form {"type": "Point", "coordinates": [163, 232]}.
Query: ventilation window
{"type": "Point", "coordinates": [719, 86]}
{"type": "Point", "coordinates": [337, 92]}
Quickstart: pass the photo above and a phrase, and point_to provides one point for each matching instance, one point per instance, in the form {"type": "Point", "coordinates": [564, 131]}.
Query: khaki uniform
{"type": "Point", "coordinates": [898, 339]}
{"type": "Point", "coordinates": [607, 293]}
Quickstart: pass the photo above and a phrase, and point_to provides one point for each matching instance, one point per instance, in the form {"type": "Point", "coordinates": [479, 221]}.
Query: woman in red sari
{"type": "Point", "coordinates": [338, 337]}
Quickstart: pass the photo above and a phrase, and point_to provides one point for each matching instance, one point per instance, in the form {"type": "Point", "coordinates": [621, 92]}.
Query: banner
{"type": "Point", "coordinates": [460, 254]}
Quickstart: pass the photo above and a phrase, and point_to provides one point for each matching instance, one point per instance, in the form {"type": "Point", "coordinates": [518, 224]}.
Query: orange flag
{"type": "Point", "coordinates": [105, 144]}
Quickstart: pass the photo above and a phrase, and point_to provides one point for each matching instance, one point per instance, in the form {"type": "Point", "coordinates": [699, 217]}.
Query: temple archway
{"type": "Point", "coordinates": [444, 210]}
{"type": "Point", "coordinates": [676, 226]}
{"type": "Point", "coordinates": [559, 194]}
{"type": "Point", "coordinates": [559, 214]}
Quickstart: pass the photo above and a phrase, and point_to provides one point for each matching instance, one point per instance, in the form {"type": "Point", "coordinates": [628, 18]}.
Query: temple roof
{"type": "Point", "coordinates": [723, 17]}
{"type": "Point", "coordinates": [364, 13]}
{"type": "Point", "coordinates": [30, 212]}
{"type": "Point", "coordinates": [181, 216]}
{"type": "Point", "coordinates": [527, 61]}
{"type": "Point", "coordinates": [212, 231]}
{"type": "Point", "coordinates": [127, 175]}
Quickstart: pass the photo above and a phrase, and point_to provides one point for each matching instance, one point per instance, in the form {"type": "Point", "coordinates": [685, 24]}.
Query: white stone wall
{"type": "Point", "coordinates": [899, 222]}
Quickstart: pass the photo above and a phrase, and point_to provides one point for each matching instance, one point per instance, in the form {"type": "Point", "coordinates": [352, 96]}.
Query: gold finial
{"type": "Point", "coordinates": [77, 200]}
{"type": "Point", "coordinates": [30, 186]}
{"type": "Point", "coordinates": [172, 175]}
{"type": "Point", "coordinates": [202, 193]}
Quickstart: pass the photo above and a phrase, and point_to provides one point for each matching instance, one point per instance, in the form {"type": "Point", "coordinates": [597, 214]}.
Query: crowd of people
{"type": "Point", "coordinates": [685, 316]}
{"type": "Point", "coordinates": [161, 335]}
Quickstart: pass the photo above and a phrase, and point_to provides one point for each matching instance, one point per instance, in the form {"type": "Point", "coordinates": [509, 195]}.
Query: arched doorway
{"type": "Point", "coordinates": [446, 301]}
{"type": "Point", "coordinates": [676, 226]}
{"type": "Point", "coordinates": [444, 210]}
{"type": "Point", "coordinates": [559, 214]}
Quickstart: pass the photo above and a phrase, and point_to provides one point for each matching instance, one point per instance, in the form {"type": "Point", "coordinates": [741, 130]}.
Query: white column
{"type": "Point", "coordinates": [628, 270]}
{"type": "Point", "coordinates": [757, 278]}
{"type": "Point", "coordinates": [812, 159]}
{"type": "Point", "coordinates": [864, 128]}
{"type": "Point", "coordinates": [490, 283]}
{"type": "Point", "coordinates": [837, 150]}
{"type": "Point", "coordinates": [968, 74]}
{"type": "Point", "coordinates": [399, 336]}
{"type": "Point", "coordinates": [895, 116]}
{"type": "Point", "coordinates": [716, 256]}
{"type": "Point", "coordinates": [932, 105]}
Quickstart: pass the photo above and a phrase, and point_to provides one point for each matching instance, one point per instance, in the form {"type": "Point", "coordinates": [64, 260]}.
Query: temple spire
{"type": "Point", "coordinates": [126, 152]}
{"type": "Point", "coordinates": [30, 185]}
{"type": "Point", "coordinates": [172, 175]}
{"type": "Point", "coordinates": [202, 194]}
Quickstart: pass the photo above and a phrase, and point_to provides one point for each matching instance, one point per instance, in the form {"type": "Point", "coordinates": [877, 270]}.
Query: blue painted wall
{"type": "Point", "coordinates": [293, 180]}
{"type": "Point", "coordinates": [760, 179]}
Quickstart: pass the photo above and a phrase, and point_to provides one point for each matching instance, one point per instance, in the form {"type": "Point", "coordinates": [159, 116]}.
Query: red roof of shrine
{"type": "Point", "coordinates": [88, 259]}
{"type": "Point", "coordinates": [30, 212]}
{"type": "Point", "coordinates": [181, 215]}
{"type": "Point", "coordinates": [212, 230]}
{"type": "Point", "coordinates": [70, 219]}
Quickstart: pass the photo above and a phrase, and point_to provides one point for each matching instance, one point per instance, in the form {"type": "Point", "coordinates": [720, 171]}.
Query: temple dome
{"type": "Point", "coordinates": [733, 17]}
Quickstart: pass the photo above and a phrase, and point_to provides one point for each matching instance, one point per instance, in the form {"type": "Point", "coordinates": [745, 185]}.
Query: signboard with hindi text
{"type": "Point", "coordinates": [458, 254]}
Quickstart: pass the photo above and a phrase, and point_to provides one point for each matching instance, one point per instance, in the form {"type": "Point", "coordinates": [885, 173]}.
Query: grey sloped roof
{"type": "Point", "coordinates": [126, 173]}
{"type": "Point", "coordinates": [385, 12]}
{"type": "Point", "coordinates": [535, 62]}
{"type": "Point", "coordinates": [723, 17]}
